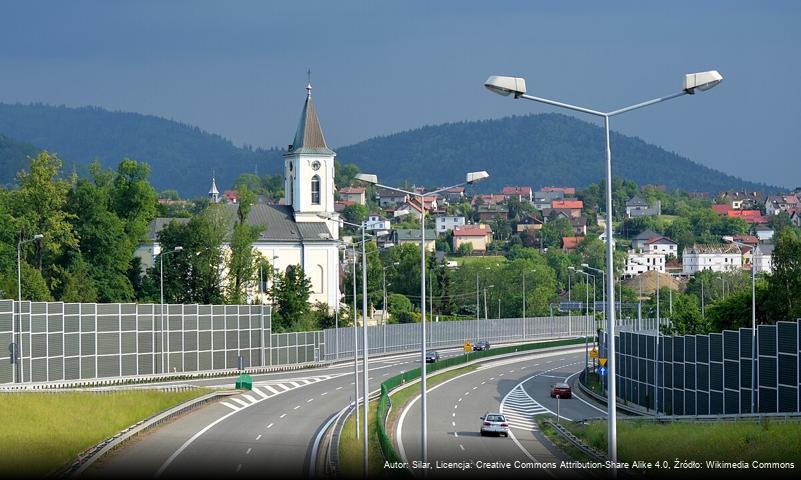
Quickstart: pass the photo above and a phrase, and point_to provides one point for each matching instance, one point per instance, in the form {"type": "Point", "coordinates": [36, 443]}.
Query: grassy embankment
{"type": "Point", "coordinates": [40, 432]}
{"type": "Point", "coordinates": [350, 449]}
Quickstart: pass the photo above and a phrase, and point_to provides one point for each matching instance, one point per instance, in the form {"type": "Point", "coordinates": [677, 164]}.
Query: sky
{"type": "Point", "coordinates": [238, 68]}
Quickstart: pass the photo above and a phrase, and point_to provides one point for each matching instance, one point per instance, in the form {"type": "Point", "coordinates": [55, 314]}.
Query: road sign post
{"type": "Point", "coordinates": [603, 371]}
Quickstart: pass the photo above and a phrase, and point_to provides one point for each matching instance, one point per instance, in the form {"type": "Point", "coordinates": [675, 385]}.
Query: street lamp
{"type": "Point", "coordinates": [18, 345]}
{"type": "Point", "coordinates": [754, 251]}
{"type": "Point", "coordinates": [161, 283]}
{"type": "Point", "coordinates": [471, 177]}
{"type": "Point", "coordinates": [692, 82]}
{"type": "Point", "coordinates": [524, 302]}
{"type": "Point", "coordinates": [586, 315]}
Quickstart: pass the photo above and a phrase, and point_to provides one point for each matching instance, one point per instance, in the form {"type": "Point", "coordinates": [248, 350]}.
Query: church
{"type": "Point", "coordinates": [304, 230]}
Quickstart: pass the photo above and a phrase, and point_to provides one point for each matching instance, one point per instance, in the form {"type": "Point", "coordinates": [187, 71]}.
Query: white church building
{"type": "Point", "coordinates": [304, 231]}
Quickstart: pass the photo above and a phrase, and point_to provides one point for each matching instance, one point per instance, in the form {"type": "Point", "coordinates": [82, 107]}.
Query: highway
{"type": "Point", "coordinates": [270, 429]}
{"type": "Point", "coordinates": [519, 388]}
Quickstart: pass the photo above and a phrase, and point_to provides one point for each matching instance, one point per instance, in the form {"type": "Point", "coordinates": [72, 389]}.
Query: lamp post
{"type": "Point", "coordinates": [586, 316]}
{"type": "Point", "coordinates": [161, 288]}
{"type": "Point", "coordinates": [524, 303]}
{"type": "Point", "coordinates": [471, 178]}
{"type": "Point", "coordinates": [754, 251]}
{"type": "Point", "coordinates": [517, 86]}
{"type": "Point", "coordinates": [18, 345]}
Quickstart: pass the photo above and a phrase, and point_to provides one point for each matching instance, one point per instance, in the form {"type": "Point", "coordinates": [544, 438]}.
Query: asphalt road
{"type": "Point", "coordinates": [271, 429]}
{"type": "Point", "coordinates": [519, 388]}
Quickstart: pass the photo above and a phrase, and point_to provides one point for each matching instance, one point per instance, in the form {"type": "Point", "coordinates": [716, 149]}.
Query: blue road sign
{"type": "Point", "coordinates": [602, 371]}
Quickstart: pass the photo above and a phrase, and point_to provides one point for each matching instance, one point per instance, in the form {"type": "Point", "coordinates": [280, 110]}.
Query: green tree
{"type": "Point", "coordinates": [398, 304]}
{"type": "Point", "coordinates": [785, 282]}
{"type": "Point", "coordinates": [344, 174]}
{"type": "Point", "coordinates": [553, 231]}
{"type": "Point", "coordinates": [242, 269]}
{"type": "Point", "coordinates": [291, 291]}
{"type": "Point", "coordinates": [355, 213]}
{"type": "Point", "coordinates": [134, 199]}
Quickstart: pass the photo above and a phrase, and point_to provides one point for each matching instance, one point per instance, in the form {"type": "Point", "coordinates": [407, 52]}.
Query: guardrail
{"type": "Point", "coordinates": [384, 402]}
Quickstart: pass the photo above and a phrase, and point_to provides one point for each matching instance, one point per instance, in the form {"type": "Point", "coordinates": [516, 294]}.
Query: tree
{"type": "Point", "coordinates": [344, 174]}
{"type": "Point", "coordinates": [241, 266]}
{"type": "Point", "coordinates": [686, 318]}
{"type": "Point", "coordinates": [291, 291]}
{"type": "Point", "coordinates": [355, 213]}
{"type": "Point", "coordinates": [134, 198]}
{"type": "Point", "coordinates": [465, 249]}
{"type": "Point", "coordinates": [553, 231]}
{"type": "Point", "coordinates": [785, 282]}
{"type": "Point", "coordinates": [397, 305]}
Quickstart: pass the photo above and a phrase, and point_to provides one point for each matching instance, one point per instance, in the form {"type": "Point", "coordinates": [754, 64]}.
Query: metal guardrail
{"type": "Point", "coordinates": [92, 454]}
{"type": "Point", "coordinates": [576, 441]}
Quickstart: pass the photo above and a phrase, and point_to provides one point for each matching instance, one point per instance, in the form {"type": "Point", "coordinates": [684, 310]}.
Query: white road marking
{"type": "Point", "coordinates": [461, 446]}
{"type": "Point", "coordinates": [492, 378]}
{"type": "Point", "coordinates": [309, 400]}
{"type": "Point", "coordinates": [261, 394]}
{"type": "Point", "coordinates": [240, 401]}
{"type": "Point", "coordinates": [323, 394]}
{"type": "Point", "coordinates": [483, 383]}
{"type": "Point", "coordinates": [460, 399]}
{"type": "Point", "coordinates": [249, 450]}
{"type": "Point", "coordinates": [239, 467]}
{"type": "Point", "coordinates": [232, 407]}
{"type": "Point", "coordinates": [456, 406]}
{"type": "Point", "coordinates": [271, 389]}
{"type": "Point", "coordinates": [340, 388]}
{"type": "Point", "coordinates": [455, 434]}
{"type": "Point", "coordinates": [282, 415]}
{"type": "Point", "coordinates": [500, 375]}
{"type": "Point", "coordinates": [453, 423]}
{"type": "Point", "coordinates": [250, 399]}
{"type": "Point", "coordinates": [258, 437]}
{"type": "Point", "coordinates": [297, 407]}
{"type": "Point", "coordinates": [268, 427]}
{"type": "Point", "coordinates": [454, 414]}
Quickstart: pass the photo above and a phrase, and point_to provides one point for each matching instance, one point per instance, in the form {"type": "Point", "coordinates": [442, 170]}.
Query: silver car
{"type": "Point", "coordinates": [494, 423]}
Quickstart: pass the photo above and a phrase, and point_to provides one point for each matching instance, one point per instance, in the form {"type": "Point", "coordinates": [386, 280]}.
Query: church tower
{"type": "Point", "coordinates": [214, 194]}
{"type": "Point", "coordinates": [309, 169]}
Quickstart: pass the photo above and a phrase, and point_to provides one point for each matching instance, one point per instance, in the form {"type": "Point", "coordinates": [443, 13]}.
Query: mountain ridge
{"type": "Point", "coordinates": [533, 149]}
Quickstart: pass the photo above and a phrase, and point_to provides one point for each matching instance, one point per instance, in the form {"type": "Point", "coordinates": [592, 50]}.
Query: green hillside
{"type": "Point", "coordinates": [14, 157]}
{"type": "Point", "coordinates": [536, 150]}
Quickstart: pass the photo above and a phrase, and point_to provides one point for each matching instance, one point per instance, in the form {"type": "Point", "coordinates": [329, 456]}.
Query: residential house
{"type": "Point", "coordinates": [764, 233]}
{"type": "Point", "coordinates": [721, 208]}
{"type": "Point", "coordinates": [488, 199]}
{"type": "Point", "coordinates": [571, 243]}
{"type": "Point", "coordinates": [542, 200]}
{"type": "Point", "coordinates": [740, 200]}
{"type": "Point", "coordinates": [750, 216]}
{"type": "Point", "coordinates": [795, 218]}
{"type": "Point", "coordinates": [717, 258]}
{"type": "Point", "coordinates": [566, 191]}
{"type": "Point", "coordinates": [377, 223]}
{"type": "Point", "coordinates": [638, 207]}
{"type": "Point", "coordinates": [403, 236]}
{"type": "Point", "coordinates": [388, 198]}
{"type": "Point", "coordinates": [353, 194]}
{"type": "Point", "coordinates": [572, 206]}
{"type": "Point", "coordinates": [454, 195]}
{"type": "Point", "coordinates": [231, 196]}
{"type": "Point", "coordinates": [492, 212]}
{"type": "Point", "coordinates": [445, 223]}
{"type": "Point", "coordinates": [522, 194]}
{"type": "Point", "coordinates": [479, 236]}
{"type": "Point", "coordinates": [763, 256]}
{"type": "Point", "coordinates": [150, 249]}
{"type": "Point", "coordinates": [662, 245]}
{"type": "Point", "coordinates": [530, 222]}
{"type": "Point", "coordinates": [579, 225]}
{"type": "Point", "coordinates": [775, 204]}
{"type": "Point", "coordinates": [641, 262]}
{"type": "Point", "coordinates": [638, 241]}
{"type": "Point", "coordinates": [746, 239]}
{"type": "Point", "coordinates": [339, 206]}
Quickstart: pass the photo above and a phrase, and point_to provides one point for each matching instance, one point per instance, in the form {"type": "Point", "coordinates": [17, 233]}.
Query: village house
{"type": "Point", "coordinates": [638, 207]}
{"type": "Point", "coordinates": [522, 194]}
{"type": "Point", "coordinates": [454, 195]}
{"type": "Point", "coordinates": [492, 212]}
{"type": "Point", "coordinates": [571, 243]}
{"type": "Point", "coordinates": [530, 222]}
{"type": "Point", "coordinates": [353, 194]}
{"type": "Point", "coordinates": [641, 262]}
{"type": "Point", "coordinates": [445, 223]}
{"type": "Point", "coordinates": [479, 236]}
{"type": "Point", "coordinates": [662, 245]}
{"type": "Point", "coordinates": [542, 199]}
{"type": "Point", "coordinates": [775, 204]}
{"type": "Point", "coordinates": [571, 207]}
{"type": "Point", "coordinates": [377, 223]}
{"type": "Point", "coordinates": [738, 200]}
{"type": "Point", "coordinates": [402, 236]}
{"type": "Point", "coordinates": [388, 198]}
{"type": "Point", "coordinates": [717, 258]}
{"type": "Point", "coordinates": [638, 241]}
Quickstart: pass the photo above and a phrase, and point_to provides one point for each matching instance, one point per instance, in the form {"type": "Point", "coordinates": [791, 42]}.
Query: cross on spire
{"type": "Point", "coordinates": [308, 84]}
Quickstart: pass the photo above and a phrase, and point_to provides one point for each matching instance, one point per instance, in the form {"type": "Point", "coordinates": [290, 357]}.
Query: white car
{"type": "Point", "coordinates": [494, 423]}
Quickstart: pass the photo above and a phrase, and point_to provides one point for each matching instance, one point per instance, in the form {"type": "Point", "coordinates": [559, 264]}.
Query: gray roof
{"type": "Point", "coordinates": [636, 202]}
{"type": "Point", "coordinates": [158, 225]}
{"type": "Point", "coordinates": [309, 136]}
{"type": "Point", "coordinates": [280, 225]}
{"type": "Point", "coordinates": [407, 234]}
{"type": "Point", "coordinates": [646, 234]}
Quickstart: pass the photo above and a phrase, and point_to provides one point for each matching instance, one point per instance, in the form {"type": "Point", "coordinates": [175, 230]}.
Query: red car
{"type": "Point", "coordinates": [561, 390]}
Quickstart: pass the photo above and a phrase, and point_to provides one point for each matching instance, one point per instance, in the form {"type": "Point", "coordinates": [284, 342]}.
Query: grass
{"type": "Point", "coordinates": [41, 432]}
{"type": "Point", "coordinates": [765, 441]}
{"type": "Point", "coordinates": [594, 383]}
{"type": "Point", "coordinates": [351, 451]}
{"type": "Point", "coordinates": [561, 442]}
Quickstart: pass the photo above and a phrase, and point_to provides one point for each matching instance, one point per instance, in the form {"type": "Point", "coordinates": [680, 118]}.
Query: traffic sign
{"type": "Point", "coordinates": [468, 347]}
{"type": "Point", "coordinates": [594, 353]}
{"type": "Point", "coordinates": [602, 371]}
{"type": "Point", "coordinates": [602, 361]}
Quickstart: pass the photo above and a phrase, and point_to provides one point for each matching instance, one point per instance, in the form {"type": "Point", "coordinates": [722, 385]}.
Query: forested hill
{"type": "Point", "coordinates": [14, 156]}
{"type": "Point", "coordinates": [535, 150]}
{"type": "Point", "coordinates": [181, 157]}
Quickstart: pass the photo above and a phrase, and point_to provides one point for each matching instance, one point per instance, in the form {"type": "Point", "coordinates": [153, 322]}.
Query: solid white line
{"type": "Point", "coordinates": [268, 427]}
{"type": "Point", "coordinates": [586, 402]}
{"type": "Point", "coordinates": [453, 423]}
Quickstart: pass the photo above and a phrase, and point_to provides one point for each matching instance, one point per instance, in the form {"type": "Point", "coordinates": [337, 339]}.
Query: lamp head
{"type": "Point", "coordinates": [701, 81]}
{"type": "Point", "coordinates": [38, 236]}
{"type": "Point", "coordinates": [178, 249]}
{"type": "Point", "coordinates": [585, 265]}
{"type": "Point", "coordinates": [475, 177]}
{"type": "Point", "coordinates": [367, 178]}
{"type": "Point", "coordinates": [506, 85]}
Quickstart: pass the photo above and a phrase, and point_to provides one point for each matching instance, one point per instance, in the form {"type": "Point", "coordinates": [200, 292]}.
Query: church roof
{"type": "Point", "coordinates": [213, 190]}
{"type": "Point", "coordinates": [309, 136]}
{"type": "Point", "coordinates": [279, 225]}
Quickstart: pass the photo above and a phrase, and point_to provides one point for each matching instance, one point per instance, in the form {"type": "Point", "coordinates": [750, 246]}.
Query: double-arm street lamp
{"type": "Point", "coordinates": [16, 357]}
{"type": "Point", "coordinates": [754, 251]}
{"type": "Point", "coordinates": [586, 315]}
{"type": "Point", "coordinates": [694, 82]}
{"type": "Point", "coordinates": [472, 177]}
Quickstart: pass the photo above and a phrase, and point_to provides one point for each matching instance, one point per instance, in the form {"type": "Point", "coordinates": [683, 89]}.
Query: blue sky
{"type": "Point", "coordinates": [239, 68]}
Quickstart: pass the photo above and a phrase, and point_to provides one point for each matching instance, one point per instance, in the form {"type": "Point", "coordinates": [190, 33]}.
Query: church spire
{"type": "Point", "coordinates": [309, 136]}
{"type": "Point", "coordinates": [214, 194]}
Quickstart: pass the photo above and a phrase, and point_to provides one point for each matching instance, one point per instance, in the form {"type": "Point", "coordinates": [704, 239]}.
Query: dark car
{"type": "Point", "coordinates": [432, 357]}
{"type": "Point", "coordinates": [561, 390]}
{"type": "Point", "coordinates": [481, 345]}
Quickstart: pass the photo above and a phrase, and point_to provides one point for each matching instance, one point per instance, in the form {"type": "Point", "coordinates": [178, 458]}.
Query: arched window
{"type": "Point", "coordinates": [315, 190]}
{"type": "Point", "coordinates": [320, 280]}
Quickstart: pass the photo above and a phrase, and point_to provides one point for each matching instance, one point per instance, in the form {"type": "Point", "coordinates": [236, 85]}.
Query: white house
{"type": "Point", "coordinates": [445, 223]}
{"type": "Point", "coordinates": [378, 223]}
{"type": "Point", "coordinates": [717, 258]}
{"type": "Point", "coordinates": [764, 233]}
{"type": "Point", "coordinates": [641, 262]}
{"type": "Point", "coordinates": [763, 258]}
{"type": "Point", "coordinates": [662, 245]}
